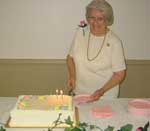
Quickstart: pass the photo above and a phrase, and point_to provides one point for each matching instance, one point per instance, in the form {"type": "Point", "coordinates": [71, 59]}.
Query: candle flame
{"type": "Point", "coordinates": [56, 91]}
{"type": "Point", "coordinates": [61, 92]}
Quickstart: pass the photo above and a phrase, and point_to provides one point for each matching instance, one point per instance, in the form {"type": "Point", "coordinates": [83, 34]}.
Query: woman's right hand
{"type": "Point", "coordinates": [71, 83]}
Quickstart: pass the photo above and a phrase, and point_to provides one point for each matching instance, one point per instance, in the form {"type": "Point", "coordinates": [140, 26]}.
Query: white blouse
{"type": "Point", "coordinates": [92, 75]}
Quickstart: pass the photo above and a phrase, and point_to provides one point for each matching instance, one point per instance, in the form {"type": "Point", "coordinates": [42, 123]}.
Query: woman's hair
{"type": "Point", "coordinates": [103, 6]}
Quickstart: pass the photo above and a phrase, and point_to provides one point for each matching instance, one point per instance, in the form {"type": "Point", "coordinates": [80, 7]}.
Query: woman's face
{"type": "Point", "coordinates": [96, 21]}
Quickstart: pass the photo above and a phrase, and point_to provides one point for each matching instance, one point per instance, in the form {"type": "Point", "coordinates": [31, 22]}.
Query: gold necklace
{"type": "Point", "coordinates": [91, 59]}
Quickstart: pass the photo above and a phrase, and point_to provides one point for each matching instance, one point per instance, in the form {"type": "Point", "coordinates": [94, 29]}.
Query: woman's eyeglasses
{"type": "Point", "coordinates": [96, 19]}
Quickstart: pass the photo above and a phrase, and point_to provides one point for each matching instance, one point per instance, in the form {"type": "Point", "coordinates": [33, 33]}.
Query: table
{"type": "Point", "coordinates": [119, 106]}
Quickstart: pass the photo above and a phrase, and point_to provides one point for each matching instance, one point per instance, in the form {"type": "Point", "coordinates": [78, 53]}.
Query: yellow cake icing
{"type": "Point", "coordinates": [41, 111]}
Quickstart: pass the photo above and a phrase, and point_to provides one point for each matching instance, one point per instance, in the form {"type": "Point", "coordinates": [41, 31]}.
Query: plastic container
{"type": "Point", "coordinates": [139, 107]}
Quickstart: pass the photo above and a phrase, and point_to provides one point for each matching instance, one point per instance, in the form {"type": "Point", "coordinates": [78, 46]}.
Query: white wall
{"type": "Point", "coordinates": [132, 25]}
{"type": "Point", "coordinates": [44, 28]}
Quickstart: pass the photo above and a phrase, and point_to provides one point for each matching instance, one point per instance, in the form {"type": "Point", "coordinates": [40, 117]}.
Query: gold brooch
{"type": "Point", "coordinates": [108, 44]}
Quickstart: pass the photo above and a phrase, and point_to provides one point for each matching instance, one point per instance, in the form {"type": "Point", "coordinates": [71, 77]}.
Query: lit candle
{"type": "Point", "coordinates": [61, 93]}
{"type": "Point", "coordinates": [57, 93]}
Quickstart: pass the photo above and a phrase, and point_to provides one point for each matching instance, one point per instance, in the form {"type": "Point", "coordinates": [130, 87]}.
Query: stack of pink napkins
{"type": "Point", "coordinates": [139, 107]}
{"type": "Point", "coordinates": [102, 111]}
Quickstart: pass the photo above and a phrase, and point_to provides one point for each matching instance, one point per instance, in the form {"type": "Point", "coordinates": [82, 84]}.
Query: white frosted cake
{"type": "Point", "coordinates": [41, 111]}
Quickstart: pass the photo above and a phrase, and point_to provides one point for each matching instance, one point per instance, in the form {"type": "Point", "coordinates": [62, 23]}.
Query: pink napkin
{"type": "Point", "coordinates": [139, 107]}
{"type": "Point", "coordinates": [80, 99]}
{"type": "Point", "coordinates": [102, 111]}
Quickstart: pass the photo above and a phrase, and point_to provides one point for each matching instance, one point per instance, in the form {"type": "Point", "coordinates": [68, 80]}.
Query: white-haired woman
{"type": "Point", "coordinates": [96, 62]}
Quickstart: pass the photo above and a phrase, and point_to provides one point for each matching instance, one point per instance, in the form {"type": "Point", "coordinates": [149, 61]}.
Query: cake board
{"type": "Point", "coordinates": [76, 121]}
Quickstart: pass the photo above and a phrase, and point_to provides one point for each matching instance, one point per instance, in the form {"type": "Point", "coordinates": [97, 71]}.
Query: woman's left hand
{"type": "Point", "coordinates": [96, 95]}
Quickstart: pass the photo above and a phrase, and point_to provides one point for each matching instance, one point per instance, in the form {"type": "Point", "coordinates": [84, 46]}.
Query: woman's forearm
{"type": "Point", "coordinates": [116, 78]}
{"type": "Point", "coordinates": [71, 67]}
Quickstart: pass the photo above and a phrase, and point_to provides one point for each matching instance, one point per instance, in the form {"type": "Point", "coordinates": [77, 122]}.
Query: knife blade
{"type": "Point", "coordinates": [71, 93]}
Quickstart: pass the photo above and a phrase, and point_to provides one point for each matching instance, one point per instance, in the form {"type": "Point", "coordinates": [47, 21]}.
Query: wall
{"type": "Point", "coordinates": [137, 80]}
{"type": "Point", "coordinates": [43, 29]}
{"type": "Point", "coordinates": [38, 76]}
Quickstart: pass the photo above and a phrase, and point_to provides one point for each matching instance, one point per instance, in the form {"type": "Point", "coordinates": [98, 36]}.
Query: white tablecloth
{"type": "Point", "coordinates": [120, 118]}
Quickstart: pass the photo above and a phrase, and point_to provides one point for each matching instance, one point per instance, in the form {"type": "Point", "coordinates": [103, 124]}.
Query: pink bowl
{"type": "Point", "coordinates": [102, 111]}
{"type": "Point", "coordinates": [139, 107]}
{"type": "Point", "coordinates": [84, 98]}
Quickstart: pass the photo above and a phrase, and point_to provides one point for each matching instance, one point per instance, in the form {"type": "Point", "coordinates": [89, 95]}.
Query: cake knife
{"type": "Point", "coordinates": [71, 93]}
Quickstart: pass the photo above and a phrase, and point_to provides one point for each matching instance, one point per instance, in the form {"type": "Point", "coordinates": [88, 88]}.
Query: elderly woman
{"type": "Point", "coordinates": [96, 61]}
